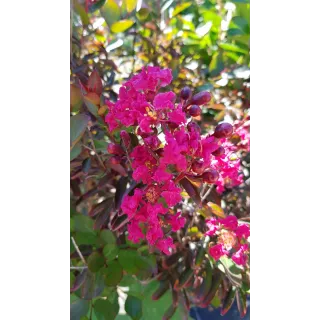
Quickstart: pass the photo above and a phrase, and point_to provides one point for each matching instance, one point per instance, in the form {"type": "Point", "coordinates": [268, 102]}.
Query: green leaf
{"type": "Point", "coordinates": [111, 12]}
{"type": "Point", "coordinates": [91, 107]}
{"type": "Point", "coordinates": [143, 13]}
{"type": "Point", "coordinates": [181, 7]}
{"type": "Point", "coordinates": [104, 309]}
{"type": "Point", "coordinates": [121, 26]}
{"type": "Point", "coordinates": [82, 13]}
{"type": "Point", "coordinates": [78, 309]}
{"type": "Point", "coordinates": [232, 47]}
{"type": "Point", "coordinates": [95, 262]}
{"type": "Point", "coordinates": [127, 260]}
{"type": "Point", "coordinates": [233, 272]}
{"type": "Point", "coordinates": [146, 266]}
{"type": "Point", "coordinates": [113, 273]}
{"type": "Point", "coordinates": [110, 251]}
{"type": "Point", "coordinates": [75, 151]}
{"type": "Point", "coordinates": [133, 307]}
{"type": "Point", "coordinates": [78, 125]}
{"type": "Point", "coordinates": [131, 4]}
{"type": "Point", "coordinates": [155, 309]}
{"type": "Point", "coordinates": [242, 23]}
{"type": "Point", "coordinates": [107, 237]}
{"type": "Point", "coordinates": [214, 61]}
{"type": "Point", "coordinates": [234, 32]}
{"type": "Point", "coordinates": [83, 224]}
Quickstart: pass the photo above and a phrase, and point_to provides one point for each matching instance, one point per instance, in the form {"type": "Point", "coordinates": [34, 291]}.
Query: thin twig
{"type": "Point", "coordinates": [207, 193]}
{"type": "Point", "coordinates": [95, 151]}
{"type": "Point", "coordinates": [78, 251]}
{"type": "Point", "coordinates": [203, 189]}
{"type": "Point", "coordinates": [78, 268]}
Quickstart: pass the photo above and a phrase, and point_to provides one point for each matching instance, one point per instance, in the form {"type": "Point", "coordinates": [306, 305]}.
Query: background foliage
{"type": "Point", "coordinates": [206, 44]}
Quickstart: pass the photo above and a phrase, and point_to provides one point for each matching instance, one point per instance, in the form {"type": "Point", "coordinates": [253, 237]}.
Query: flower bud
{"type": "Point", "coordinates": [219, 152]}
{"type": "Point", "coordinates": [160, 152]}
{"type": "Point", "coordinates": [115, 160]}
{"type": "Point", "coordinates": [185, 93]}
{"type": "Point", "coordinates": [115, 149]}
{"type": "Point", "coordinates": [201, 98]}
{"type": "Point", "coordinates": [192, 126]}
{"type": "Point", "coordinates": [125, 138]}
{"type": "Point", "coordinates": [223, 130]}
{"type": "Point", "coordinates": [194, 110]}
{"type": "Point", "coordinates": [173, 125]}
{"type": "Point", "coordinates": [198, 166]}
{"type": "Point", "coordinates": [210, 176]}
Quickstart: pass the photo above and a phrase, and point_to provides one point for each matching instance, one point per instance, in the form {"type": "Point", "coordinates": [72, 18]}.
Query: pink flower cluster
{"type": "Point", "coordinates": [231, 239]}
{"type": "Point", "coordinates": [162, 159]}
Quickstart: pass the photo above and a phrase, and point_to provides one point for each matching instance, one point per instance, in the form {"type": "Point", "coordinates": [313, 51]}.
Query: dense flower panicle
{"type": "Point", "coordinates": [158, 160]}
{"type": "Point", "coordinates": [230, 237]}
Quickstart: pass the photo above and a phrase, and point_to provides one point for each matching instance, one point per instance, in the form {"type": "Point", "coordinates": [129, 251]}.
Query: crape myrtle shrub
{"type": "Point", "coordinates": [160, 158]}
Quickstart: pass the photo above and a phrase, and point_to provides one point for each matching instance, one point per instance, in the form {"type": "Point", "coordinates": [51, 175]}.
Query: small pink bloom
{"type": "Point", "coordinates": [135, 233]}
{"type": "Point", "coordinates": [160, 175]}
{"type": "Point", "coordinates": [213, 226]}
{"type": "Point", "coordinates": [177, 116]}
{"type": "Point", "coordinates": [230, 222]}
{"type": "Point", "coordinates": [154, 233]}
{"type": "Point", "coordinates": [153, 142]}
{"type": "Point", "coordinates": [165, 245]}
{"type": "Point", "coordinates": [164, 100]}
{"type": "Point", "coordinates": [243, 231]}
{"type": "Point", "coordinates": [176, 221]}
{"type": "Point", "coordinates": [240, 257]}
{"type": "Point", "coordinates": [130, 203]}
{"type": "Point", "coordinates": [141, 173]}
{"type": "Point", "coordinates": [217, 251]}
{"type": "Point", "coordinates": [172, 194]}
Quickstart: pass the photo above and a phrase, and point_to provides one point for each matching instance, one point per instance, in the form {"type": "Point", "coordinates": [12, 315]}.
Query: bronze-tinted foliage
{"type": "Point", "coordinates": [187, 37]}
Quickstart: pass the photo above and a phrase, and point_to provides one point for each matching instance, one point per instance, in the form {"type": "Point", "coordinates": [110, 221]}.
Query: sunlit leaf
{"type": "Point", "coordinates": [232, 47]}
{"type": "Point", "coordinates": [82, 13]}
{"type": "Point", "coordinates": [216, 210]}
{"type": "Point", "coordinates": [181, 7]}
{"type": "Point", "coordinates": [111, 12]}
{"type": "Point", "coordinates": [122, 25]}
{"type": "Point", "coordinates": [131, 4]}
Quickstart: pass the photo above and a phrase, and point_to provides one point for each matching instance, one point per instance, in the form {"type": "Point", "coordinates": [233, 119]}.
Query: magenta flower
{"type": "Point", "coordinates": [154, 233]}
{"type": "Point", "coordinates": [172, 194]}
{"type": "Point", "coordinates": [176, 221]}
{"type": "Point", "coordinates": [135, 233]}
{"type": "Point", "coordinates": [243, 231]}
{"type": "Point", "coordinates": [165, 245]}
{"type": "Point", "coordinates": [130, 203]}
{"type": "Point", "coordinates": [230, 222]}
{"type": "Point", "coordinates": [217, 251]}
{"type": "Point", "coordinates": [161, 175]}
{"type": "Point", "coordinates": [240, 257]}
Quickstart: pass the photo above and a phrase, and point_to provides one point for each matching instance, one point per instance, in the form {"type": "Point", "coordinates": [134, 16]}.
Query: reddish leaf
{"type": "Point", "coordinates": [95, 83]}
{"type": "Point", "coordinates": [81, 277]}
